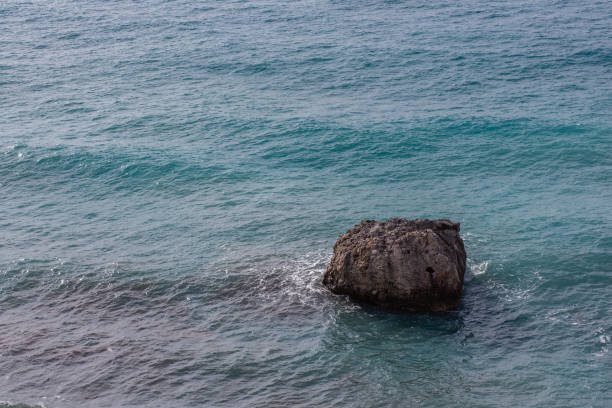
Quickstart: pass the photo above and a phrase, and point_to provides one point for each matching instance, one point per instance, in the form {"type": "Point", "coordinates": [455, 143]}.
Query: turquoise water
{"type": "Point", "coordinates": [173, 175]}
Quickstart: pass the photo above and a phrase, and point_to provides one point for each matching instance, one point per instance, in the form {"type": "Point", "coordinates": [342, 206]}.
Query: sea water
{"type": "Point", "coordinates": [173, 175]}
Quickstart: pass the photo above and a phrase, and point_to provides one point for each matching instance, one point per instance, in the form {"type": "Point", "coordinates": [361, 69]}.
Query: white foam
{"type": "Point", "coordinates": [479, 268]}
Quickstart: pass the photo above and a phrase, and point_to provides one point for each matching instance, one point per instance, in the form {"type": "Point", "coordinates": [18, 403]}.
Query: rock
{"type": "Point", "coordinates": [413, 265]}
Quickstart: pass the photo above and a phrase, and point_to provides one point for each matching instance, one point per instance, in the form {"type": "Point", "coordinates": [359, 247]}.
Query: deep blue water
{"type": "Point", "coordinates": [173, 175]}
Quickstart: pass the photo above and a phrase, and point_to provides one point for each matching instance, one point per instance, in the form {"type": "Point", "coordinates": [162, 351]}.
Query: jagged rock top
{"type": "Point", "coordinates": [394, 228]}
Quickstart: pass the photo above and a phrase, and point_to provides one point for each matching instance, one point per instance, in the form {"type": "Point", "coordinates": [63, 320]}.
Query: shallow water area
{"type": "Point", "coordinates": [173, 176]}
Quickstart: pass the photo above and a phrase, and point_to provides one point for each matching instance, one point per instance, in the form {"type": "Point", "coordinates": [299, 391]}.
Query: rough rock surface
{"type": "Point", "coordinates": [415, 265]}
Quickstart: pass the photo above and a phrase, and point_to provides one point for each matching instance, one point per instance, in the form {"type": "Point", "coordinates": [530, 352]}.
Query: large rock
{"type": "Point", "coordinates": [415, 265]}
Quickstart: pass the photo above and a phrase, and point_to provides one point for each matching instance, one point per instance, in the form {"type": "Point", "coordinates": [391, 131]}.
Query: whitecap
{"type": "Point", "coordinates": [479, 268]}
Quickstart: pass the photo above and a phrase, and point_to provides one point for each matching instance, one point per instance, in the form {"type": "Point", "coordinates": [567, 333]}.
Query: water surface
{"type": "Point", "coordinates": [173, 175]}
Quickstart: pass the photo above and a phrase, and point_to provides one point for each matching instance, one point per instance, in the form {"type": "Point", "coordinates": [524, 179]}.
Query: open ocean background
{"type": "Point", "coordinates": [173, 175]}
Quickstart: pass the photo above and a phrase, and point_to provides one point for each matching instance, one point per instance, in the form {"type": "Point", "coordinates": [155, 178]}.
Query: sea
{"type": "Point", "coordinates": [174, 174]}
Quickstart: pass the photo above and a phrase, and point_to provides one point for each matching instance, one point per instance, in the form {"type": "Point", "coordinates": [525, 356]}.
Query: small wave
{"type": "Point", "coordinates": [279, 286]}
{"type": "Point", "coordinates": [113, 170]}
{"type": "Point", "coordinates": [302, 276]}
{"type": "Point", "coordinates": [479, 268]}
{"type": "Point", "coordinates": [604, 341]}
{"type": "Point", "coordinates": [6, 404]}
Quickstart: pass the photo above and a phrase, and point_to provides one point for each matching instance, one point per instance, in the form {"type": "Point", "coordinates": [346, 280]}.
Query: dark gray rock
{"type": "Point", "coordinates": [414, 265]}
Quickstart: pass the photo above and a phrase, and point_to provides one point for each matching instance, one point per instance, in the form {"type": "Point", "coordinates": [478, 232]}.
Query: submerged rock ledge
{"type": "Point", "coordinates": [412, 265]}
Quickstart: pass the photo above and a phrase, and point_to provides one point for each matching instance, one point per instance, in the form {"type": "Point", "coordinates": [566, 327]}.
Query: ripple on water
{"type": "Point", "coordinates": [173, 177]}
